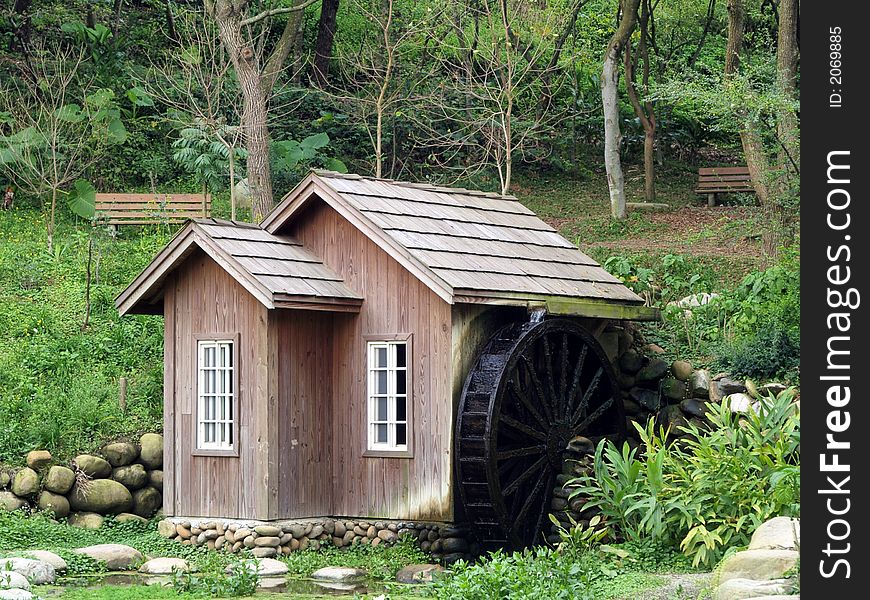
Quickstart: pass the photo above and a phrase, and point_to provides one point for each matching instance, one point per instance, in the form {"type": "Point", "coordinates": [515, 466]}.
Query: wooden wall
{"type": "Point", "coordinates": [201, 298]}
{"type": "Point", "coordinates": [395, 302]}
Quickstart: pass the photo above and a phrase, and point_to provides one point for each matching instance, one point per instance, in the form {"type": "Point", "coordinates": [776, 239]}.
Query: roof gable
{"type": "Point", "coordinates": [463, 244]}
{"type": "Point", "coordinates": [276, 270]}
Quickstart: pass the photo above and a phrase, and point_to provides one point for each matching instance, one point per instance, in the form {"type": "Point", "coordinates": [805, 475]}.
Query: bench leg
{"type": "Point", "coordinates": [711, 199]}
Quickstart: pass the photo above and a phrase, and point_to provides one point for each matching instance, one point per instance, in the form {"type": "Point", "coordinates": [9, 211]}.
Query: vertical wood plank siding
{"type": "Point", "coordinates": [201, 298]}
{"type": "Point", "coordinates": [395, 302]}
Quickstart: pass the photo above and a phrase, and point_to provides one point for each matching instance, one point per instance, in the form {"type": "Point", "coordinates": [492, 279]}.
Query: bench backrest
{"type": "Point", "coordinates": [142, 209]}
{"type": "Point", "coordinates": [724, 179]}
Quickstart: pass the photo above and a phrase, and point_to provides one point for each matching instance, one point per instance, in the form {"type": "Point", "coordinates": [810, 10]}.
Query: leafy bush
{"type": "Point", "coordinates": [709, 490]}
{"type": "Point", "coordinates": [531, 574]}
{"type": "Point", "coordinates": [769, 351]}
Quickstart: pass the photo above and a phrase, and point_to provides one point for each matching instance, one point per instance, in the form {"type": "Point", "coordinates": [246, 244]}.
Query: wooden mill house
{"type": "Point", "coordinates": [353, 356]}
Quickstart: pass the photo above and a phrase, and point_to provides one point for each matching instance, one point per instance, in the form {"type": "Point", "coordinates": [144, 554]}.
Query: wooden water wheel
{"type": "Point", "coordinates": [534, 387]}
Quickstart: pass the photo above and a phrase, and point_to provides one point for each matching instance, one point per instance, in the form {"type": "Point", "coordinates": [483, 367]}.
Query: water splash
{"type": "Point", "coordinates": [537, 315]}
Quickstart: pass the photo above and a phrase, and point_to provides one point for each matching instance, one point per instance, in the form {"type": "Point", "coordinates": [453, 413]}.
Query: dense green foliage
{"type": "Point", "coordinates": [58, 382]}
{"type": "Point", "coordinates": [708, 490]}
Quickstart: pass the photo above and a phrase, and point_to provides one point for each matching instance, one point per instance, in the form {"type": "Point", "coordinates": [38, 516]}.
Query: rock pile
{"type": "Point", "coordinates": [124, 479]}
{"type": "Point", "coordinates": [283, 537]}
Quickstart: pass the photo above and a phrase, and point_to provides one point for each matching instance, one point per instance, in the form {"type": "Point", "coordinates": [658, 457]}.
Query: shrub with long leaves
{"type": "Point", "coordinates": [709, 490]}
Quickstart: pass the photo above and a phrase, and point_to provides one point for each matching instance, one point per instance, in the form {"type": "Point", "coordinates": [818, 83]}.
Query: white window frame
{"type": "Point", "coordinates": [390, 448]}
{"type": "Point", "coordinates": [217, 412]}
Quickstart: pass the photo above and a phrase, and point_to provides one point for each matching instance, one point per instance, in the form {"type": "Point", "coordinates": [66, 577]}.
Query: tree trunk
{"type": "Point", "coordinates": [281, 51]}
{"type": "Point", "coordinates": [254, 110]}
{"type": "Point", "coordinates": [646, 112]}
{"type": "Point", "coordinates": [610, 104]}
{"type": "Point", "coordinates": [323, 45]}
{"type": "Point", "coordinates": [786, 76]}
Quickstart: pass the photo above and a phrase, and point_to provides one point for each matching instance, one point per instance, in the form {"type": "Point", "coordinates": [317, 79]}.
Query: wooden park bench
{"type": "Point", "coordinates": [723, 180]}
{"type": "Point", "coordinates": [145, 209]}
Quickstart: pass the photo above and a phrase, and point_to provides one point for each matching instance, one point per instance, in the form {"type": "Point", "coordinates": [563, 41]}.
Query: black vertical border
{"type": "Point", "coordinates": [825, 129]}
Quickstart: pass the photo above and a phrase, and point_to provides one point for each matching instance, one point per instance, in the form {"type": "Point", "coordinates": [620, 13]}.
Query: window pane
{"type": "Point", "coordinates": [400, 409]}
{"type": "Point", "coordinates": [401, 434]}
{"type": "Point", "coordinates": [381, 356]}
{"type": "Point", "coordinates": [401, 354]}
{"type": "Point", "coordinates": [381, 382]}
{"type": "Point", "coordinates": [223, 355]}
{"type": "Point", "coordinates": [381, 433]}
{"type": "Point", "coordinates": [209, 356]}
{"type": "Point", "coordinates": [401, 382]}
{"type": "Point", "coordinates": [381, 414]}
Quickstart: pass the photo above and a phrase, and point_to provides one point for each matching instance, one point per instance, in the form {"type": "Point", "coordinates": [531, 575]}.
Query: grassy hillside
{"type": "Point", "coordinates": [58, 381]}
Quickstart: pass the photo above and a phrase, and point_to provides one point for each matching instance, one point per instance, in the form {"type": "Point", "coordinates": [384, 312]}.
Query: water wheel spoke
{"type": "Point", "coordinates": [538, 465]}
{"type": "Point", "coordinates": [529, 502]}
{"type": "Point", "coordinates": [539, 388]}
{"type": "Point", "coordinates": [524, 451]}
{"type": "Point", "coordinates": [551, 379]}
{"type": "Point", "coordinates": [587, 395]}
{"type": "Point", "coordinates": [519, 395]}
{"type": "Point", "coordinates": [596, 414]}
{"type": "Point", "coordinates": [531, 432]}
{"type": "Point", "coordinates": [563, 375]}
{"type": "Point", "coordinates": [575, 381]}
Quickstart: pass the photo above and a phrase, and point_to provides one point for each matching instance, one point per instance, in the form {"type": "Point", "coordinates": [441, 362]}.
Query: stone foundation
{"type": "Point", "coordinates": [267, 539]}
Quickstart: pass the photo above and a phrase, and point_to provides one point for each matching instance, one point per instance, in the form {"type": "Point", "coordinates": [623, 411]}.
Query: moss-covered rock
{"type": "Point", "coordinates": [93, 466]}
{"type": "Point", "coordinates": [104, 496]}
{"type": "Point", "coordinates": [86, 520]}
{"type": "Point", "coordinates": [9, 501]}
{"type": "Point", "coordinates": [59, 479]}
{"type": "Point", "coordinates": [56, 503]}
{"type": "Point", "coordinates": [37, 459]}
{"type": "Point", "coordinates": [120, 453]}
{"type": "Point", "coordinates": [132, 477]}
{"type": "Point", "coordinates": [25, 483]}
{"type": "Point", "coordinates": [146, 502]}
{"type": "Point", "coordinates": [152, 450]}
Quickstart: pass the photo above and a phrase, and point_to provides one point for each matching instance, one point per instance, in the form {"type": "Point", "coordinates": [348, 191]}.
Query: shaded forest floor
{"type": "Point", "coordinates": [726, 237]}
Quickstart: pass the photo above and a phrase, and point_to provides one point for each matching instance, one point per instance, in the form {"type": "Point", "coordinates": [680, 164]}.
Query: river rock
{"type": "Point", "coordinates": [152, 450]}
{"type": "Point", "coordinates": [166, 529]}
{"type": "Point", "coordinates": [120, 454]}
{"type": "Point", "coordinates": [164, 566]}
{"type": "Point", "coordinates": [654, 370]}
{"type": "Point", "coordinates": [653, 349]}
{"type": "Point", "coordinates": [9, 501]}
{"type": "Point", "coordinates": [672, 419]}
{"type": "Point", "coordinates": [268, 530]}
{"type": "Point", "coordinates": [86, 520]}
{"type": "Point", "coordinates": [739, 589]}
{"type": "Point", "coordinates": [693, 407]}
{"type": "Point", "coordinates": [581, 445]}
{"type": "Point", "coordinates": [51, 558]}
{"type": "Point", "coordinates": [648, 399]}
{"type": "Point", "coordinates": [117, 557]}
{"type": "Point", "coordinates": [758, 564]}
{"type": "Point", "coordinates": [673, 389]}
{"type": "Point", "coordinates": [93, 466]}
{"type": "Point", "coordinates": [38, 572]}
{"type": "Point", "coordinates": [59, 479]}
{"type": "Point", "coordinates": [25, 483]}
{"type": "Point", "coordinates": [739, 403]}
{"type": "Point", "coordinates": [631, 362]}
{"type": "Point", "coordinates": [264, 552]}
{"type": "Point", "coordinates": [146, 502]}
{"type": "Point", "coordinates": [682, 369]}
{"type": "Point", "coordinates": [12, 580]}
{"type": "Point", "coordinates": [133, 477]}
{"type": "Point", "coordinates": [130, 518]}
{"type": "Point", "coordinates": [155, 478]}
{"type": "Point", "coordinates": [452, 545]}
{"type": "Point", "coordinates": [728, 386]}
{"type": "Point", "coordinates": [15, 594]}
{"type": "Point", "coordinates": [339, 574]}
{"type": "Point", "coordinates": [56, 503]}
{"type": "Point", "coordinates": [421, 573]}
{"type": "Point", "coordinates": [778, 533]}
{"type": "Point", "coordinates": [771, 389]}
{"type": "Point", "coordinates": [104, 496]}
{"type": "Point", "coordinates": [37, 459]}
{"type": "Point", "coordinates": [699, 384]}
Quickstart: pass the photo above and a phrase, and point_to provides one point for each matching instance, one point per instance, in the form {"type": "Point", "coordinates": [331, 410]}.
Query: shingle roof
{"type": "Point", "coordinates": [275, 269]}
{"type": "Point", "coordinates": [474, 242]}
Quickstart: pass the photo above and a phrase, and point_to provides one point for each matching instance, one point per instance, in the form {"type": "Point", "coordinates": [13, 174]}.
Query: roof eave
{"type": "Point", "coordinates": [564, 305]}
